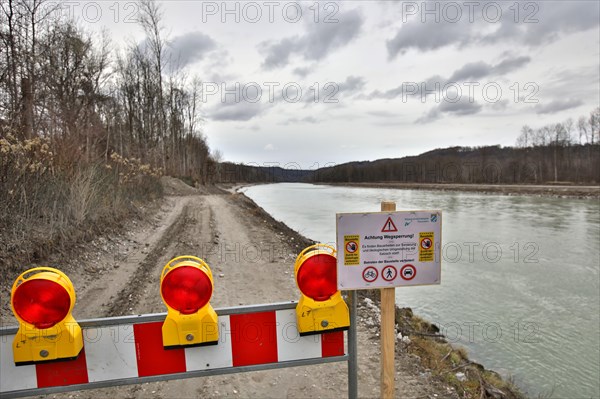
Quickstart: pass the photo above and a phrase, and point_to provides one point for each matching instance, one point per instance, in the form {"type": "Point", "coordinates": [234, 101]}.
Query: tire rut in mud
{"type": "Point", "coordinates": [129, 297]}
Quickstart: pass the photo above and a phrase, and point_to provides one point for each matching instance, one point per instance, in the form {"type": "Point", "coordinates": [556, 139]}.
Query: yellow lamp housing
{"type": "Point", "coordinates": [186, 286]}
{"type": "Point", "coordinates": [42, 299]}
{"type": "Point", "coordinates": [321, 307]}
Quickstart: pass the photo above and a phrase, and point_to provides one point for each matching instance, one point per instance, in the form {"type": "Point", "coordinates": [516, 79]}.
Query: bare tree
{"type": "Point", "coordinates": [582, 127]}
{"type": "Point", "coordinates": [150, 19]}
{"type": "Point", "coordinates": [594, 123]}
{"type": "Point", "coordinates": [526, 136]}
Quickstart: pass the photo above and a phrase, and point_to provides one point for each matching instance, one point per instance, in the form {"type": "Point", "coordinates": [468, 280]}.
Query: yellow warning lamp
{"type": "Point", "coordinates": [321, 307]}
{"type": "Point", "coordinates": [186, 286]}
{"type": "Point", "coordinates": [42, 300]}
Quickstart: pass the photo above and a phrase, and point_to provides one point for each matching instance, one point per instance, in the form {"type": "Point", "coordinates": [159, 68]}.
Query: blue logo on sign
{"type": "Point", "coordinates": [434, 217]}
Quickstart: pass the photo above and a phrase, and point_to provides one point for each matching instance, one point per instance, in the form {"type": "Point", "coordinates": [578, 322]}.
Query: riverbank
{"type": "Point", "coordinates": [547, 190]}
{"type": "Point", "coordinates": [252, 257]}
{"type": "Point", "coordinates": [420, 343]}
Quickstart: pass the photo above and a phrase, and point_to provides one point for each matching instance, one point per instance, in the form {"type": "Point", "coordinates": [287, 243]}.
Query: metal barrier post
{"type": "Point", "coordinates": [352, 348]}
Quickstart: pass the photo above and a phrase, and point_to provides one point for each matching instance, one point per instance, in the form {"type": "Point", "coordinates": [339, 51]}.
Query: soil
{"type": "Point", "coordinates": [252, 257]}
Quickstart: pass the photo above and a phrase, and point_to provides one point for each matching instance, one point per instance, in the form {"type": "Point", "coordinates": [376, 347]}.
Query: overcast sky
{"type": "Point", "coordinates": [378, 79]}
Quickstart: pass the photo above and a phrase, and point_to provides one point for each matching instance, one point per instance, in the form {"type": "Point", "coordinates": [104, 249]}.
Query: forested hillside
{"type": "Point", "coordinates": [484, 165]}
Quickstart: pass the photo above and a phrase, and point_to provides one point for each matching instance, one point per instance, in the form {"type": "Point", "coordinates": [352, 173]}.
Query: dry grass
{"type": "Point", "coordinates": [46, 206]}
{"type": "Point", "coordinates": [445, 360]}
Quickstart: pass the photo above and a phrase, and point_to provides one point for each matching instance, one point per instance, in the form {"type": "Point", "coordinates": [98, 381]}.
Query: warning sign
{"type": "Point", "coordinates": [389, 226]}
{"type": "Point", "coordinates": [351, 250]}
{"type": "Point", "coordinates": [388, 249]}
{"type": "Point", "coordinates": [426, 252]}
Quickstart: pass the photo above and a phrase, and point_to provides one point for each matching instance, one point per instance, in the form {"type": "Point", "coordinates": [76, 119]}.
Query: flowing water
{"type": "Point", "coordinates": [520, 275]}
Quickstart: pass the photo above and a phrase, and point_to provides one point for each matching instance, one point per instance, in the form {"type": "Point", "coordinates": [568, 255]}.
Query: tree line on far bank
{"type": "Point", "coordinates": [566, 152]}
{"type": "Point", "coordinates": [481, 165]}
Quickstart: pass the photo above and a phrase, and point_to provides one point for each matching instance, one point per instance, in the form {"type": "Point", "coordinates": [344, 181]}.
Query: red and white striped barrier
{"type": "Point", "coordinates": [133, 353]}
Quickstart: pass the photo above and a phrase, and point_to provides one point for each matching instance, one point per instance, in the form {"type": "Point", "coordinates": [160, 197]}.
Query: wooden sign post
{"type": "Point", "coordinates": [388, 324]}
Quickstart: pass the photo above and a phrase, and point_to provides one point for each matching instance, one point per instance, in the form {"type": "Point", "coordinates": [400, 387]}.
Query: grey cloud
{"type": "Point", "coordinates": [388, 94]}
{"type": "Point", "coordinates": [189, 48]}
{"type": "Point", "coordinates": [463, 107]}
{"type": "Point", "coordinates": [429, 117]}
{"type": "Point", "coordinates": [510, 64]}
{"type": "Point", "coordinates": [547, 23]}
{"type": "Point", "coordinates": [396, 92]}
{"type": "Point", "coordinates": [302, 71]}
{"type": "Point", "coordinates": [239, 111]}
{"type": "Point", "coordinates": [472, 70]}
{"type": "Point", "coordinates": [478, 70]}
{"type": "Point", "coordinates": [296, 121]}
{"type": "Point", "coordinates": [459, 108]}
{"type": "Point", "coordinates": [581, 82]}
{"type": "Point", "coordinates": [325, 37]}
{"type": "Point", "coordinates": [499, 105]}
{"type": "Point", "coordinates": [331, 91]}
{"type": "Point", "coordinates": [557, 105]}
{"type": "Point", "coordinates": [326, 92]}
{"type": "Point", "coordinates": [468, 72]}
{"type": "Point", "coordinates": [278, 54]}
{"type": "Point", "coordinates": [320, 40]}
{"type": "Point", "coordinates": [426, 37]}
{"type": "Point", "coordinates": [383, 114]}
{"type": "Point", "coordinates": [351, 85]}
{"type": "Point", "coordinates": [551, 21]}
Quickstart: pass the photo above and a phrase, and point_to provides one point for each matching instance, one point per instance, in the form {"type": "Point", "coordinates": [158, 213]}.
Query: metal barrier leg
{"type": "Point", "coordinates": [352, 348]}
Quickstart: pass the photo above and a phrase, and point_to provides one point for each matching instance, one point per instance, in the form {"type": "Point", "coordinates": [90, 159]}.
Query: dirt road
{"type": "Point", "coordinates": [252, 258]}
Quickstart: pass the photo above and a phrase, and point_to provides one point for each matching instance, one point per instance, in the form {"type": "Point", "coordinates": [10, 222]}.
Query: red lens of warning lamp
{"type": "Point", "coordinates": [42, 299]}
{"type": "Point", "coordinates": [317, 277]}
{"type": "Point", "coordinates": [42, 303]}
{"type": "Point", "coordinates": [321, 307]}
{"type": "Point", "coordinates": [186, 289]}
{"type": "Point", "coordinates": [186, 286]}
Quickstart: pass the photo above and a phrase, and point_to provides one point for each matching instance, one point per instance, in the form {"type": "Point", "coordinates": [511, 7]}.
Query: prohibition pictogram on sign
{"type": "Point", "coordinates": [389, 273]}
{"type": "Point", "coordinates": [408, 272]}
{"type": "Point", "coordinates": [351, 247]}
{"type": "Point", "coordinates": [426, 243]}
{"type": "Point", "coordinates": [370, 274]}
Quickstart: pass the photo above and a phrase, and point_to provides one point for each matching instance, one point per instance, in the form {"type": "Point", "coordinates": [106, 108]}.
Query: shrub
{"type": "Point", "coordinates": [45, 206]}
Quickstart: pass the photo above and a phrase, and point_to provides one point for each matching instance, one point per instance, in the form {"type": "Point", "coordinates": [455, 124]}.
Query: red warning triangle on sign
{"type": "Point", "coordinates": [389, 226]}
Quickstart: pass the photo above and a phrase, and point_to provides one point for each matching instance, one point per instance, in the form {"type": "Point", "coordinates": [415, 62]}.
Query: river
{"type": "Point", "coordinates": [520, 275]}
